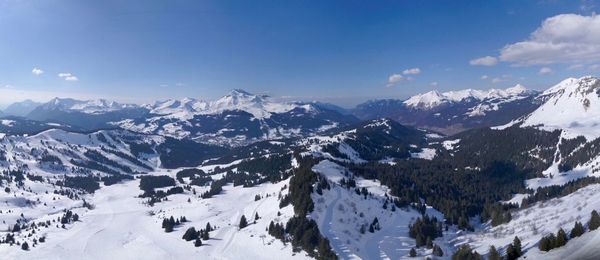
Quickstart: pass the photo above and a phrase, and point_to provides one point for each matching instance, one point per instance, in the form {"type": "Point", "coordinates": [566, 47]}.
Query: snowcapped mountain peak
{"type": "Point", "coordinates": [433, 99]}
{"type": "Point", "coordinates": [517, 89]}
{"type": "Point", "coordinates": [179, 108]}
{"type": "Point", "coordinates": [239, 92]}
{"type": "Point", "coordinates": [94, 106]}
{"type": "Point", "coordinates": [427, 100]}
{"type": "Point", "coordinates": [572, 105]}
{"type": "Point", "coordinates": [260, 106]}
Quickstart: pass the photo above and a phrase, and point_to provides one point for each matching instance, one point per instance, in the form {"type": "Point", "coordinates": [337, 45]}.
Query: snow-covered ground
{"type": "Point", "coordinates": [340, 214]}
{"type": "Point", "coordinates": [580, 248]}
{"type": "Point", "coordinates": [540, 219]}
{"type": "Point", "coordinates": [121, 226]}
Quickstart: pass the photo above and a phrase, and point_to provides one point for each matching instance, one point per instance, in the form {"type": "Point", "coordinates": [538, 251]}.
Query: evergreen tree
{"type": "Point", "coordinates": [493, 254]}
{"type": "Point", "coordinates": [25, 246]}
{"type": "Point", "coordinates": [198, 242]}
{"type": "Point", "coordinates": [561, 238]}
{"type": "Point", "coordinates": [511, 253]}
{"type": "Point", "coordinates": [413, 252]}
{"type": "Point", "coordinates": [465, 252]}
{"type": "Point", "coordinates": [16, 228]}
{"type": "Point", "coordinates": [205, 235]}
{"type": "Point", "coordinates": [243, 222]}
{"type": "Point", "coordinates": [256, 217]}
{"type": "Point", "coordinates": [577, 230]}
{"type": "Point", "coordinates": [594, 222]}
{"type": "Point", "coordinates": [547, 243]}
{"type": "Point", "coordinates": [169, 228]}
{"type": "Point", "coordinates": [429, 243]}
{"type": "Point", "coordinates": [209, 228]}
{"type": "Point", "coordinates": [517, 246]}
{"type": "Point", "coordinates": [437, 251]}
{"type": "Point", "coordinates": [190, 234]}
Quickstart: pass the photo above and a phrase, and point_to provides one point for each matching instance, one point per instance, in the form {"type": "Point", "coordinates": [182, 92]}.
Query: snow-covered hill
{"type": "Point", "coordinates": [344, 217]}
{"type": "Point", "coordinates": [572, 105]}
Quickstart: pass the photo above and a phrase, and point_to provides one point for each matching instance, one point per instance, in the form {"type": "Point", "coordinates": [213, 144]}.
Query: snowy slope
{"type": "Point", "coordinates": [579, 248]}
{"type": "Point", "coordinates": [572, 105]}
{"type": "Point", "coordinates": [340, 214]}
{"type": "Point", "coordinates": [121, 227]}
{"type": "Point", "coordinates": [538, 220]}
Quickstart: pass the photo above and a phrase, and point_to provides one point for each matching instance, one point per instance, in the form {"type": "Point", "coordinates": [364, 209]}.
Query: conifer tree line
{"type": "Point", "coordinates": [300, 231]}
{"type": "Point", "coordinates": [198, 236]}
{"type": "Point", "coordinates": [462, 186]}
{"type": "Point", "coordinates": [513, 252]}
{"type": "Point", "coordinates": [424, 230]}
{"type": "Point", "coordinates": [561, 238]}
{"type": "Point", "coordinates": [168, 224]}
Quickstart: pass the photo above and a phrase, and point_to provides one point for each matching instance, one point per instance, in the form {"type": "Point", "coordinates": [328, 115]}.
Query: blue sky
{"type": "Point", "coordinates": [342, 52]}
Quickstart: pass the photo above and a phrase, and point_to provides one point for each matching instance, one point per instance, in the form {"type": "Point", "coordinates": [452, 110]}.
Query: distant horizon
{"type": "Point", "coordinates": [359, 100]}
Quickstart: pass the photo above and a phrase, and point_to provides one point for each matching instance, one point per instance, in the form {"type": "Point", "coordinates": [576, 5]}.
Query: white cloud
{"type": "Point", "coordinates": [565, 38]}
{"type": "Point", "coordinates": [68, 76]}
{"type": "Point", "coordinates": [434, 84]}
{"type": "Point", "coordinates": [484, 77]}
{"type": "Point", "coordinates": [545, 70]}
{"type": "Point", "coordinates": [395, 79]}
{"type": "Point", "coordinates": [484, 61]}
{"type": "Point", "coordinates": [37, 71]}
{"type": "Point", "coordinates": [497, 80]}
{"type": "Point", "coordinates": [413, 71]}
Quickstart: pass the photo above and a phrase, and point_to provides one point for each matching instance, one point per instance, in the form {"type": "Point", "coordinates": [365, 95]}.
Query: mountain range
{"type": "Point", "coordinates": [247, 176]}
{"type": "Point", "coordinates": [258, 117]}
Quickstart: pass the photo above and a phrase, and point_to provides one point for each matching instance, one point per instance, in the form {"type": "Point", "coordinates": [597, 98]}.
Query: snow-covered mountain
{"type": "Point", "coordinates": [85, 114]}
{"type": "Point", "coordinates": [454, 111]}
{"type": "Point", "coordinates": [369, 190]}
{"type": "Point", "coordinates": [572, 105]}
{"type": "Point", "coordinates": [95, 106]}
{"type": "Point", "coordinates": [434, 99]}
{"type": "Point", "coordinates": [260, 106]}
{"type": "Point", "coordinates": [21, 108]}
{"type": "Point", "coordinates": [235, 119]}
